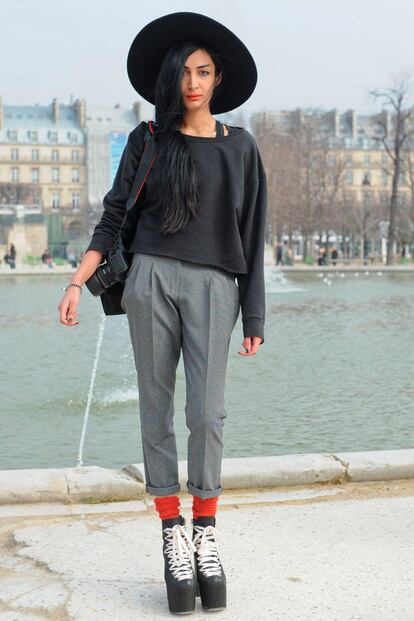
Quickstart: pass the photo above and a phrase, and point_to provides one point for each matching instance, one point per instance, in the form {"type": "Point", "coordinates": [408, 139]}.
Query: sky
{"type": "Point", "coordinates": [320, 53]}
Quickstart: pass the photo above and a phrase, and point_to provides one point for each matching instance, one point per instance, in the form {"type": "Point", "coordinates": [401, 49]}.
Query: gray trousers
{"type": "Point", "coordinates": [171, 305]}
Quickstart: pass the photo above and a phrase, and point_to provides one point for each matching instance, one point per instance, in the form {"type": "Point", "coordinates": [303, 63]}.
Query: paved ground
{"type": "Point", "coordinates": [325, 553]}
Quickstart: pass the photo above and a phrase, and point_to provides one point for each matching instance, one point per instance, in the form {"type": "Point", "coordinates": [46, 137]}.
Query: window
{"type": "Point", "coordinates": [35, 155]}
{"type": "Point", "coordinates": [73, 137]}
{"type": "Point", "coordinates": [35, 175]}
{"type": "Point", "coordinates": [53, 137]}
{"type": "Point", "coordinates": [384, 178]}
{"type": "Point", "coordinates": [348, 158]}
{"type": "Point", "coordinates": [55, 174]}
{"type": "Point", "coordinates": [385, 158]}
{"type": "Point", "coordinates": [401, 177]}
{"type": "Point", "coordinates": [367, 174]}
{"type": "Point", "coordinates": [75, 155]}
{"type": "Point", "coordinates": [75, 200]}
{"type": "Point", "coordinates": [12, 135]}
{"type": "Point", "coordinates": [349, 177]}
{"type": "Point", "coordinates": [55, 200]}
{"type": "Point", "coordinates": [367, 160]}
{"type": "Point", "coordinates": [15, 174]}
{"type": "Point", "coordinates": [75, 175]}
{"type": "Point", "coordinates": [332, 159]}
{"type": "Point", "coordinates": [15, 154]}
{"type": "Point", "coordinates": [32, 136]}
{"type": "Point", "coordinates": [55, 155]}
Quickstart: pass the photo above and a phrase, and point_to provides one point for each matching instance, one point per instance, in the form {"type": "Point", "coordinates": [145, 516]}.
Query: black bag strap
{"type": "Point", "coordinates": [145, 165]}
{"type": "Point", "coordinates": [143, 170]}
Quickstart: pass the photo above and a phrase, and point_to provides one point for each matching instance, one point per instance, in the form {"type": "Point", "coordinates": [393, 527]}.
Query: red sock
{"type": "Point", "coordinates": [204, 506]}
{"type": "Point", "coordinates": [167, 506]}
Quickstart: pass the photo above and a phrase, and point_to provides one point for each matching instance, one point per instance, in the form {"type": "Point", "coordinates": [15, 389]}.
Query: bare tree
{"type": "Point", "coordinates": [396, 131]}
{"type": "Point", "coordinates": [321, 171]}
{"type": "Point", "coordinates": [408, 180]}
{"type": "Point", "coordinates": [264, 132]}
{"type": "Point", "coordinates": [19, 193]}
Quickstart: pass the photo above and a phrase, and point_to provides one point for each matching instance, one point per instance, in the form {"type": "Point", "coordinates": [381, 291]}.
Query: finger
{"type": "Point", "coordinates": [63, 308]}
{"type": "Point", "coordinates": [68, 314]}
{"type": "Point", "coordinates": [71, 316]}
{"type": "Point", "coordinates": [247, 344]}
{"type": "Point", "coordinates": [255, 345]}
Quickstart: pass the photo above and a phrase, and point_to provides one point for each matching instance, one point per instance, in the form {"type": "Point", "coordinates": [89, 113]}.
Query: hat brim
{"type": "Point", "coordinates": [150, 45]}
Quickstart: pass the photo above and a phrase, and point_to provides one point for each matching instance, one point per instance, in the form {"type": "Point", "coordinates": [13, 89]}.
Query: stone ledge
{"type": "Point", "coordinates": [378, 465]}
{"type": "Point", "coordinates": [67, 485]}
{"type": "Point", "coordinates": [92, 484]}
{"type": "Point", "coordinates": [270, 471]}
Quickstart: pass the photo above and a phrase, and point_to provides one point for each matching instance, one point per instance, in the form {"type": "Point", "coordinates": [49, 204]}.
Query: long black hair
{"type": "Point", "coordinates": [179, 190]}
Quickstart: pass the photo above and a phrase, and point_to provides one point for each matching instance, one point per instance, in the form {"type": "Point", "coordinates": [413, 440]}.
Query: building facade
{"type": "Point", "coordinates": [43, 155]}
{"type": "Point", "coordinates": [56, 164]}
{"type": "Point", "coordinates": [358, 163]}
{"type": "Point", "coordinates": [43, 176]}
{"type": "Point", "coordinates": [106, 131]}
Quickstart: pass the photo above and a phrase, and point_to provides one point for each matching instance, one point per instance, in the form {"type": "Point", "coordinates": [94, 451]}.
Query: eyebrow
{"type": "Point", "coordinates": [199, 67]}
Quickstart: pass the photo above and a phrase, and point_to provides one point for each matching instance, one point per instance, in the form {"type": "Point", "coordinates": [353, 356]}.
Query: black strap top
{"type": "Point", "coordinates": [219, 128]}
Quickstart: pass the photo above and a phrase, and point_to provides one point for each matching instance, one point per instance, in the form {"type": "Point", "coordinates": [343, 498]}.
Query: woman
{"type": "Point", "coordinates": [10, 258]}
{"type": "Point", "coordinates": [201, 223]}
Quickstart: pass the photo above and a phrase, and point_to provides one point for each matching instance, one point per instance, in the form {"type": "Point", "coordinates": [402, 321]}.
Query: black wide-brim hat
{"type": "Point", "coordinates": [151, 44]}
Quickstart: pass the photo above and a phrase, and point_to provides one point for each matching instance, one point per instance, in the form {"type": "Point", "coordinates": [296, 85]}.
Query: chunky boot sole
{"type": "Point", "coordinates": [213, 596]}
{"type": "Point", "coordinates": [180, 579]}
{"type": "Point", "coordinates": [181, 601]}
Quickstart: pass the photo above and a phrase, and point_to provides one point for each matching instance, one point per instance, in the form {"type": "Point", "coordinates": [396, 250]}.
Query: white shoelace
{"type": "Point", "coordinates": [178, 549]}
{"type": "Point", "coordinates": [206, 539]}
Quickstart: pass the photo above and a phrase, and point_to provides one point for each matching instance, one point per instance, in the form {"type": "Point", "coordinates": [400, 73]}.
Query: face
{"type": "Point", "coordinates": [199, 80]}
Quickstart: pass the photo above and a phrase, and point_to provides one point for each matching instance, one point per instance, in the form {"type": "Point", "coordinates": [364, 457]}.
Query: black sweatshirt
{"type": "Point", "coordinates": [228, 232]}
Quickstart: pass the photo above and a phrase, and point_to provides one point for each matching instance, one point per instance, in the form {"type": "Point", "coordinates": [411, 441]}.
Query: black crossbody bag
{"type": "Point", "coordinates": [108, 280]}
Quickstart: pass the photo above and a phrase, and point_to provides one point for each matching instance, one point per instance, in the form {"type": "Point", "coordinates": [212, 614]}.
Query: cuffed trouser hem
{"type": "Point", "coordinates": [201, 493]}
{"type": "Point", "coordinates": [163, 491]}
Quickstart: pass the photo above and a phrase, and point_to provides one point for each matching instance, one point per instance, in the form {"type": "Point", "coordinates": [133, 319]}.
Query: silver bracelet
{"type": "Point", "coordinates": [72, 284]}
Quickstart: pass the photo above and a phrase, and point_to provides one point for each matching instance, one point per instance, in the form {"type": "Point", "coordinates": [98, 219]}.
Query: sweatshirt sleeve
{"type": "Point", "coordinates": [253, 231]}
{"type": "Point", "coordinates": [114, 202]}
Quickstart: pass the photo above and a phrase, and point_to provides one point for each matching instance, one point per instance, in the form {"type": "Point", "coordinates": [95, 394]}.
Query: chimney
{"type": "Point", "coordinates": [56, 111]}
{"type": "Point", "coordinates": [136, 107]}
{"type": "Point", "coordinates": [1, 114]}
{"type": "Point", "coordinates": [80, 109]}
{"type": "Point", "coordinates": [335, 121]}
{"type": "Point", "coordinates": [351, 119]}
{"type": "Point", "coordinates": [385, 118]}
{"type": "Point", "coordinates": [298, 118]}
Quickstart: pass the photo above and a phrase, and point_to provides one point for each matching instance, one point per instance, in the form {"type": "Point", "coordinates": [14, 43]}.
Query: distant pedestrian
{"type": "Point", "coordinates": [10, 257]}
{"type": "Point", "coordinates": [279, 253]}
{"type": "Point", "coordinates": [322, 256]}
{"type": "Point", "coordinates": [46, 258]}
{"type": "Point", "coordinates": [334, 255]}
{"type": "Point", "coordinates": [72, 258]}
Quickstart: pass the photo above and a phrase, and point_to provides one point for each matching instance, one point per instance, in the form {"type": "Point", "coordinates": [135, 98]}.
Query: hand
{"type": "Point", "coordinates": [251, 345]}
{"type": "Point", "coordinates": [67, 307]}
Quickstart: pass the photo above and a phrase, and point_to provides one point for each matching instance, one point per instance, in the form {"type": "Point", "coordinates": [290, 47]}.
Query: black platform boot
{"type": "Point", "coordinates": [180, 578]}
{"type": "Point", "coordinates": [211, 580]}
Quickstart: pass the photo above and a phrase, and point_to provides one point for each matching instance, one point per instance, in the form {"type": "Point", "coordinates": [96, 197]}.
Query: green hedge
{"type": "Point", "coordinates": [30, 259]}
{"type": "Point", "coordinates": [309, 261]}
